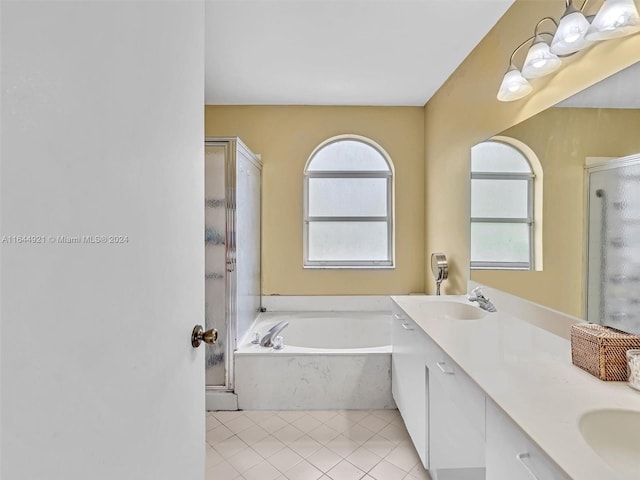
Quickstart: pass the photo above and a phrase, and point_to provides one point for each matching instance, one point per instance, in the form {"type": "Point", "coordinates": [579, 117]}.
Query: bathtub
{"type": "Point", "coordinates": [331, 360]}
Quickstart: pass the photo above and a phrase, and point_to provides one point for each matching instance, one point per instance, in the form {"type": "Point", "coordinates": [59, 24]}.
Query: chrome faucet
{"type": "Point", "coordinates": [483, 302]}
{"type": "Point", "coordinates": [267, 340]}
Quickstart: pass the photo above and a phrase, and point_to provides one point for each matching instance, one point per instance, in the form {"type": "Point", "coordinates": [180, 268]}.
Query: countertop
{"type": "Point", "coordinates": [527, 371]}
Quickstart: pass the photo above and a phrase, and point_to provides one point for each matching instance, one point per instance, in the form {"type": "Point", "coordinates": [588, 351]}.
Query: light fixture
{"type": "Point", "coordinates": [540, 61]}
{"type": "Point", "coordinates": [514, 86]}
{"type": "Point", "coordinates": [616, 18]}
{"type": "Point", "coordinates": [574, 32]}
{"type": "Point", "coordinates": [570, 35]}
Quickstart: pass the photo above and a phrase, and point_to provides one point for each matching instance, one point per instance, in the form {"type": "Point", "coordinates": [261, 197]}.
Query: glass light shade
{"type": "Point", "coordinates": [569, 37]}
{"type": "Point", "coordinates": [540, 61]}
{"type": "Point", "coordinates": [616, 18]}
{"type": "Point", "coordinates": [514, 86]}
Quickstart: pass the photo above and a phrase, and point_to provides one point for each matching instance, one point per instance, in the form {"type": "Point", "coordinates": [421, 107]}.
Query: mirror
{"type": "Point", "coordinates": [591, 128]}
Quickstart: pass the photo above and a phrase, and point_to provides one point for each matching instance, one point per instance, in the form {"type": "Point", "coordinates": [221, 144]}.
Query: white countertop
{"type": "Point", "coordinates": [527, 371]}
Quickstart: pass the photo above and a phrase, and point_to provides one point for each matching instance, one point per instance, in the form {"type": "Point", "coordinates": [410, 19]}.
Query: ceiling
{"type": "Point", "coordinates": [339, 52]}
{"type": "Point", "coordinates": [618, 91]}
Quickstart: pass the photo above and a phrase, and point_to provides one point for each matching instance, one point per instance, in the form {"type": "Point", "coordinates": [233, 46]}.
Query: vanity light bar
{"type": "Point", "coordinates": [574, 32]}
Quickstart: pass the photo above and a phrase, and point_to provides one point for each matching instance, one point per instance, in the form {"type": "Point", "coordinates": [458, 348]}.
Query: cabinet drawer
{"type": "Point", "coordinates": [511, 454]}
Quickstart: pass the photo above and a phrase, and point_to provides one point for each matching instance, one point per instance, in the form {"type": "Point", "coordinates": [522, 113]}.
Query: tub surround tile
{"type": "Point", "coordinates": [334, 303]}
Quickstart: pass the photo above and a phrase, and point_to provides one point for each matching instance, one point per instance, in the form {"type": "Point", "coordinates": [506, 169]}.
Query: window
{"type": "Point", "coordinates": [348, 205]}
{"type": "Point", "coordinates": [504, 234]}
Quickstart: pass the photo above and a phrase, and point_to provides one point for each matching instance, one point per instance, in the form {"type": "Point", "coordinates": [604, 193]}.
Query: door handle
{"type": "Point", "coordinates": [199, 335]}
{"type": "Point", "coordinates": [406, 326]}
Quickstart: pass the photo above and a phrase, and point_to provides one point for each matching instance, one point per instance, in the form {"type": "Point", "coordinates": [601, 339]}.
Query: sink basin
{"type": "Point", "coordinates": [615, 436]}
{"type": "Point", "coordinates": [452, 310]}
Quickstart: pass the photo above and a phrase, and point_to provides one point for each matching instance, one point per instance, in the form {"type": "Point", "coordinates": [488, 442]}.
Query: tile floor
{"type": "Point", "coordinates": [310, 445]}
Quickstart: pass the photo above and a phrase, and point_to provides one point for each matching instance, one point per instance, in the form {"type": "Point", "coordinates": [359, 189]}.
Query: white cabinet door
{"type": "Point", "coordinates": [408, 377]}
{"type": "Point", "coordinates": [511, 455]}
{"type": "Point", "coordinates": [456, 415]}
{"type": "Point", "coordinates": [102, 170]}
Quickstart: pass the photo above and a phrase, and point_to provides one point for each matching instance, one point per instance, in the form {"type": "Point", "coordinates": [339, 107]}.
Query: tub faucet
{"type": "Point", "coordinates": [483, 302]}
{"type": "Point", "coordinates": [267, 340]}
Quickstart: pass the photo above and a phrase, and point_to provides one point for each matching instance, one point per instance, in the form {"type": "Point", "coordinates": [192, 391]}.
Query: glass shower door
{"type": "Point", "coordinates": [216, 242]}
{"type": "Point", "coordinates": [613, 272]}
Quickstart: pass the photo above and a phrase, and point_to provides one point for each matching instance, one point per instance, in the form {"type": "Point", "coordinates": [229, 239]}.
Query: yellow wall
{"type": "Point", "coordinates": [465, 111]}
{"type": "Point", "coordinates": [562, 138]}
{"type": "Point", "coordinates": [285, 137]}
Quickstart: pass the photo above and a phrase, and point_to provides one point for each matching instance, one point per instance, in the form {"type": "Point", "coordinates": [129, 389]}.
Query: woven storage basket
{"type": "Point", "coordinates": [601, 351]}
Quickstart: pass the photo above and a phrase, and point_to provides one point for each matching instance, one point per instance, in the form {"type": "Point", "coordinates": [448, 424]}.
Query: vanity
{"type": "Point", "coordinates": [495, 396]}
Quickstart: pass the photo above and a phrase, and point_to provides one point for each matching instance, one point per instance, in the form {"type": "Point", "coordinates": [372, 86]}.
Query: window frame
{"type": "Point", "coordinates": [388, 175]}
{"type": "Point", "coordinates": [529, 220]}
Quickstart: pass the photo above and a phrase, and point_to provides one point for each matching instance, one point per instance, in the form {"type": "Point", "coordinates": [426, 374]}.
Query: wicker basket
{"type": "Point", "coordinates": [601, 351]}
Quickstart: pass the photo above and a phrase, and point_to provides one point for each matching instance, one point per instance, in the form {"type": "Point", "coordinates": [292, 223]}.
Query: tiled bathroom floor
{"type": "Point", "coordinates": [310, 445]}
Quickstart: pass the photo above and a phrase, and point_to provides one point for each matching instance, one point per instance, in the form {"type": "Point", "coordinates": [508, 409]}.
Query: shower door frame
{"type": "Point", "coordinates": [229, 273]}
{"type": "Point", "coordinates": [232, 146]}
{"type": "Point", "coordinates": [607, 163]}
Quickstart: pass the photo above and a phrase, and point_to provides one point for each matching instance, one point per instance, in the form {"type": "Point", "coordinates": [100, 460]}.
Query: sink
{"type": "Point", "coordinates": [615, 436]}
{"type": "Point", "coordinates": [452, 310]}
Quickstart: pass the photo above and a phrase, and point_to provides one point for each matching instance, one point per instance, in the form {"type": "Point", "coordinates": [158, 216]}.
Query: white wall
{"type": "Point", "coordinates": [102, 134]}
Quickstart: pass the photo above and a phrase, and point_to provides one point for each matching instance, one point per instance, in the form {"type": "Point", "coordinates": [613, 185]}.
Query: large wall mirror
{"type": "Point", "coordinates": [540, 203]}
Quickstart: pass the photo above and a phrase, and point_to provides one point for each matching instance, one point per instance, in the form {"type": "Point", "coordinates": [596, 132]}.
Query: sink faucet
{"type": "Point", "coordinates": [267, 340]}
{"type": "Point", "coordinates": [483, 302]}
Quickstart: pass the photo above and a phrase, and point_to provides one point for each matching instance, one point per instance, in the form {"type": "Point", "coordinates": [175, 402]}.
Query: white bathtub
{"type": "Point", "coordinates": [331, 360]}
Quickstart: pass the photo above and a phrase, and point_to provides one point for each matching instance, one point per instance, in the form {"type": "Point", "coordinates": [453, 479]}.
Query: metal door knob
{"type": "Point", "coordinates": [199, 335]}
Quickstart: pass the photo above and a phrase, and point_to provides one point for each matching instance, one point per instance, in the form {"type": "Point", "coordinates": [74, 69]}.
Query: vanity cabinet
{"type": "Point", "coordinates": [456, 418]}
{"type": "Point", "coordinates": [408, 379]}
{"type": "Point", "coordinates": [510, 454]}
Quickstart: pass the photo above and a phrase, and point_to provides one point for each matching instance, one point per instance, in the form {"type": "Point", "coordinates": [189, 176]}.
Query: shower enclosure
{"type": "Point", "coordinates": [232, 258]}
{"type": "Point", "coordinates": [613, 258]}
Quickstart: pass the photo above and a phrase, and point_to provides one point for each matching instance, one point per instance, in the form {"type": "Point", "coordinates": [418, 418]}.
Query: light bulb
{"type": "Point", "coordinates": [540, 61]}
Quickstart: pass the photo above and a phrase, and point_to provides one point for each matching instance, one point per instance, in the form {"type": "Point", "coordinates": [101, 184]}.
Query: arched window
{"type": "Point", "coordinates": [348, 205]}
{"type": "Point", "coordinates": [505, 213]}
